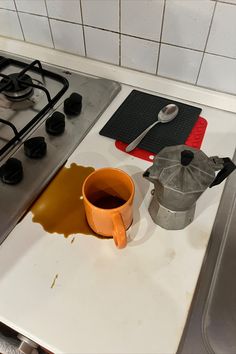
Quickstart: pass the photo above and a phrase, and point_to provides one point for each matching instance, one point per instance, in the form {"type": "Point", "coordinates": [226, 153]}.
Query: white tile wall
{"type": "Point", "coordinates": [36, 29]}
{"type": "Point", "coordinates": [7, 4]}
{"type": "Point", "coordinates": [222, 38]}
{"type": "Point", "coordinates": [187, 22]}
{"type": "Point", "coordinates": [179, 63]}
{"type": "Point", "coordinates": [142, 18]}
{"type": "Point", "coordinates": [101, 13]}
{"type": "Point", "coordinates": [68, 10]}
{"type": "Point", "coordinates": [139, 54]}
{"type": "Point", "coordinates": [10, 25]}
{"type": "Point", "coordinates": [68, 37]}
{"type": "Point", "coordinates": [32, 6]}
{"type": "Point", "coordinates": [102, 45]}
{"type": "Point", "coordinates": [218, 73]}
{"type": "Point", "coordinates": [186, 40]}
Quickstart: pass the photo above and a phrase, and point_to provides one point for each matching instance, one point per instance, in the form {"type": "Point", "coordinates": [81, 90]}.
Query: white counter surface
{"type": "Point", "coordinates": [107, 300]}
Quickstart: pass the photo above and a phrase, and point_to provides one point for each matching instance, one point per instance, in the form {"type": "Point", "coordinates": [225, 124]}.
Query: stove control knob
{"type": "Point", "coordinates": [73, 104]}
{"type": "Point", "coordinates": [35, 148]}
{"type": "Point", "coordinates": [55, 125]}
{"type": "Point", "coordinates": [11, 172]}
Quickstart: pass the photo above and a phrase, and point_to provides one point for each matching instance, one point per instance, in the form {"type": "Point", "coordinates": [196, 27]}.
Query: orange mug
{"type": "Point", "coordinates": [108, 195]}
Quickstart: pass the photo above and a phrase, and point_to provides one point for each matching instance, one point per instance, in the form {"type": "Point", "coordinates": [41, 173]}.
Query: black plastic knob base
{"type": "Point", "coordinates": [55, 125]}
{"type": "Point", "coordinates": [35, 148]}
{"type": "Point", "coordinates": [73, 104]}
{"type": "Point", "coordinates": [11, 172]}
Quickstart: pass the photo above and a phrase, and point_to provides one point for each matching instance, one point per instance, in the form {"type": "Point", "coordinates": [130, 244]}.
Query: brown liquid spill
{"type": "Point", "coordinates": [54, 281]}
{"type": "Point", "coordinates": [60, 207]}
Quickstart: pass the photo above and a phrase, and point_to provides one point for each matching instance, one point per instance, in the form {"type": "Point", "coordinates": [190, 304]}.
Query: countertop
{"type": "Point", "coordinates": [106, 300]}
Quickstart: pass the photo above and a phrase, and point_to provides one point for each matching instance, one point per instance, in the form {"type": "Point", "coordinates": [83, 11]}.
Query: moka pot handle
{"type": "Point", "coordinates": [226, 170]}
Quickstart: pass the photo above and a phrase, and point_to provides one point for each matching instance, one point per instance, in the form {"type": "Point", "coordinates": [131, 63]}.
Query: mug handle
{"type": "Point", "coordinates": [119, 233]}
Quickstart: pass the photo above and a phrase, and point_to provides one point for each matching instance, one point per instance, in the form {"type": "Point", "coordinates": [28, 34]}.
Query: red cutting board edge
{"type": "Point", "coordinates": [194, 140]}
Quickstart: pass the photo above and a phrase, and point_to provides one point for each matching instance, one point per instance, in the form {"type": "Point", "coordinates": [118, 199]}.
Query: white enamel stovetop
{"type": "Point", "coordinates": [106, 300]}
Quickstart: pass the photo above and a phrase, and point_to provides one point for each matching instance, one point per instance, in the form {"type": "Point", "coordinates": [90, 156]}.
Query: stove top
{"type": "Point", "coordinates": [45, 112]}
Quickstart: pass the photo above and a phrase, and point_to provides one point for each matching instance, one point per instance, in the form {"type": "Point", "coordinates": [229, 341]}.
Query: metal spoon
{"type": "Point", "coordinates": [166, 114]}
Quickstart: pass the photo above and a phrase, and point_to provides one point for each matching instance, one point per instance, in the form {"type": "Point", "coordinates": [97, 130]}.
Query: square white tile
{"type": "Point", "coordinates": [68, 36]}
{"type": "Point", "coordinates": [179, 63]}
{"type": "Point", "coordinates": [32, 6]}
{"type": "Point", "coordinates": [102, 45]}
{"type": "Point", "coordinates": [187, 22]}
{"type": "Point", "coordinates": [142, 18]}
{"type": "Point", "coordinates": [139, 54]}
{"type": "Point", "coordinates": [36, 29]}
{"type": "Point", "coordinates": [68, 10]}
{"type": "Point", "coordinates": [101, 13]}
{"type": "Point", "coordinates": [10, 25]}
{"type": "Point", "coordinates": [7, 4]}
{"type": "Point", "coordinates": [223, 31]}
{"type": "Point", "coordinates": [218, 73]}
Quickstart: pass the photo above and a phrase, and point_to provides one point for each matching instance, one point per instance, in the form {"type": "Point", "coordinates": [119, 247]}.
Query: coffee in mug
{"type": "Point", "coordinates": [108, 195]}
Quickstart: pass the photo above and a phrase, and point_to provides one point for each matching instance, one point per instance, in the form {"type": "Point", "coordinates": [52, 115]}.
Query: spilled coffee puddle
{"type": "Point", "coordinates": [60, 207]}
{"type": "Point", "coordinates": [54, 281]}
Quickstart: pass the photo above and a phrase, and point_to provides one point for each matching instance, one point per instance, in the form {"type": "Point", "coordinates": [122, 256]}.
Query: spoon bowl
{"type": "Point", "coordinates": [166, 115]}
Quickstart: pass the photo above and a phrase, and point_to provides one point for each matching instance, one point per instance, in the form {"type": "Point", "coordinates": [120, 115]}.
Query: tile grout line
{"type": "Point", "coordinates": [83, 31]}
{"type": "Point", "coordinates": [162, 25]}
{"type": "Point", "coordinates": [180, 46]}
{"type": "Point", "coordinates": [226, 2]}
{"type": "Point", "coordinates": [204, 50]}
{"type": "Point", "coordinates": [50, 27]}
{"type": "Point", "coordinates": [220, 55]}
{"type": "Point", "coordinates": [18, 16]}
{"type": "Point", "coordinates": [29, 13]}
{"type": "Point", "coordinates": [120, 33]}
{"type": "Point", "coordinates": [199, 70]}
{"type": "Point", "coordinates": [3, 8]}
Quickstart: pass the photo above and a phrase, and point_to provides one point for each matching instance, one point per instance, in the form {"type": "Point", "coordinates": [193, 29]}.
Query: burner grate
{"type": "Point", "coordinates": [12, 126]}
{"type": "Point", "coordinates": [19, 80]}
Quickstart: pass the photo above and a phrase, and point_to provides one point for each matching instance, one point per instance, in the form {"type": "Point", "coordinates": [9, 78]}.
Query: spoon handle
{"type": "Point", "coordinates": [140, 137]}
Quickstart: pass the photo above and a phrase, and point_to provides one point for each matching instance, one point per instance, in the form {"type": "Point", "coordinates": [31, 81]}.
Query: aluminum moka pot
{"type": "Point", "coordinates": [180, 175]}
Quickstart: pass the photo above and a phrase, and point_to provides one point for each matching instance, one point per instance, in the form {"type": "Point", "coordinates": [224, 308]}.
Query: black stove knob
{"type": "Point", "coordinates": [73, 104]}
{"type": "Point", "coordinates": [35, 148]}
{"type": "Point", "coordinates": [55, 125]}
{"type": "Point", "coordinates": [11, 172]}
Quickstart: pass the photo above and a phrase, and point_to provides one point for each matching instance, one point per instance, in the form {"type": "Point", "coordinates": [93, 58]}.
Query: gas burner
{"type": "Point", "coordinates": [19, 87]}
{"type": "Point", "coordinates": [19, 105]}
{"type": "Point", "coordinates": [20, 94]}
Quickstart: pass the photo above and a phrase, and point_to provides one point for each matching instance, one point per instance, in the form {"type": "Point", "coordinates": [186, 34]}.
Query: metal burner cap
{"type": "Point", "coordinates": [18, 89]}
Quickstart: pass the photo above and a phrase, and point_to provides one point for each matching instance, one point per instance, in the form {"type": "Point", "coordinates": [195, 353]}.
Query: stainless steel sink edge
{"type": "Point", "coordinates": [194, 339]}
{"type": "Point", "coordinates": [216, 270]}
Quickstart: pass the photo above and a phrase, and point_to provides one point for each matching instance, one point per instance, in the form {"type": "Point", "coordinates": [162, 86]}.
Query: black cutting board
{"type": "Point", "coordinates": [139, 110]}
